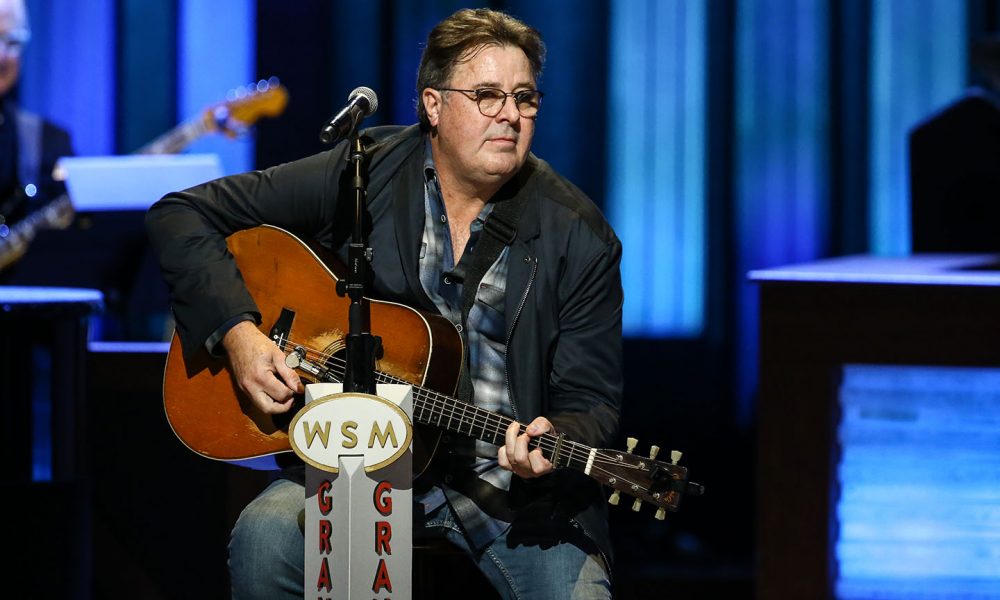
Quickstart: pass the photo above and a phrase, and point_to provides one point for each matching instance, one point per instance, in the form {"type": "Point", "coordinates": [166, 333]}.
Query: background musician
{"type": "Point", "coordinates": [29, 144]}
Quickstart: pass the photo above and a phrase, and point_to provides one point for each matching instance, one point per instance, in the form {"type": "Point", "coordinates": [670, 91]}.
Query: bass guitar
{"type": "Point", "coordinates": [243, 108]}
{"type": "Point", "coordinates": [294, 286]}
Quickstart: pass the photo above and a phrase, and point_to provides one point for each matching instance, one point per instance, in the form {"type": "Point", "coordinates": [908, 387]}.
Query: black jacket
{"type": "Point", "coordinates": [564, 293]}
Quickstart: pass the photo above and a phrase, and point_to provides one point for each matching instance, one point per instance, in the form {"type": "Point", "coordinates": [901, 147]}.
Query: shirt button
{"type": "Point", "coordinates": [444, 218]}
{"type": "Point", "coordinates": [459, 327]}
{"type": "Point", "coordinates": [447, 280]}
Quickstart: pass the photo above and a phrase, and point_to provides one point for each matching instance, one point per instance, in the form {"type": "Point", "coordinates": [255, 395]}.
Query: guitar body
{"type": "Point", "coordinates": [209, 413]}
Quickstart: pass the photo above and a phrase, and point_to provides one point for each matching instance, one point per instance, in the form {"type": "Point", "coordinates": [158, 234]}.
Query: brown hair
{"type": "Point", "coordinates": [453, 39]}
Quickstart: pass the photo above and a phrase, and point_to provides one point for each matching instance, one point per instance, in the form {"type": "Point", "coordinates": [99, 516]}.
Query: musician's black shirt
{"type": "Point", "coordinates": [8, 155]}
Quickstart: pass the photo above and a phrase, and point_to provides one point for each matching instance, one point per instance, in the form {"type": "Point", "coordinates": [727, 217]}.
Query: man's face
{"type": "Point", "coordinates": [476, 148]}
{"type": "Point", "coordinates": [10, 51]}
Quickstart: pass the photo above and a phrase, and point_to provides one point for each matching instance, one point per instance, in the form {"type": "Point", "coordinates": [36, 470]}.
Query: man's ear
{"type": "Point", "coordinates": [432, 105]}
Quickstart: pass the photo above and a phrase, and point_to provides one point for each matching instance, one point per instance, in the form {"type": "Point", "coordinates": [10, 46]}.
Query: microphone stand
{"type": "Point", "coordinates": [362, 346]}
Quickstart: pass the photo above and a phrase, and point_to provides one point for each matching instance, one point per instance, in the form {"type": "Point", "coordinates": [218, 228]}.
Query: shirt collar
{"type": "Point", "coordinates": [430, 177]}
{"type": "Point", "coordinates": [430, 173]}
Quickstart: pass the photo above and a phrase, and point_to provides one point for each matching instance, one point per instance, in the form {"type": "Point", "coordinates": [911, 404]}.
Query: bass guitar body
{"type": "Point", "coordinates": [294, 285]}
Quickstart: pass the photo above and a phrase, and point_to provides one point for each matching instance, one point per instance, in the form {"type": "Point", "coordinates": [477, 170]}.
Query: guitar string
{"type": "Point", "coordinates": [545, 441]}
{"type": "Point", "coordinates": [482, 418]}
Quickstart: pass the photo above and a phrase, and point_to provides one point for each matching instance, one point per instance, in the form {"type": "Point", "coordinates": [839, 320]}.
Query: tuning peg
{"type": "Point", "coordinates": [661, 513]}
{"type": "Point", "coordinates": [613, 500]}
{"type": "Point", "coordinates": [637, 505]}
{"type": "Point", "coordinates": [675, 456]}
{"type": "Point", "coordinates": [653, 451]}
{"type": "Point", "coordinates": [630, 444]}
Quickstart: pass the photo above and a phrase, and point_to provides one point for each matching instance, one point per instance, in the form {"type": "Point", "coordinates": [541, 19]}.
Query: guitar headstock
{"type": "Point", "coordinates": [646, 479]}
{"type": "Point", "coordinates": [244, 106]}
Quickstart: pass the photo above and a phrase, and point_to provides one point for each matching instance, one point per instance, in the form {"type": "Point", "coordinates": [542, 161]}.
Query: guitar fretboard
{"type": "Point", "coordinates": [450, 414]}
{"type": "Point", "coordinates": [176, 139]}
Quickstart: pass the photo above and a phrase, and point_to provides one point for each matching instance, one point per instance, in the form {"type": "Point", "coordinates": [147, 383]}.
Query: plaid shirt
{"type": "Point", "coordinates": [485, 337]}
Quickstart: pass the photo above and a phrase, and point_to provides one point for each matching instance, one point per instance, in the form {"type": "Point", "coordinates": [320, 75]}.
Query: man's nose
{"type": "Point", "coordinates": [509, 111]}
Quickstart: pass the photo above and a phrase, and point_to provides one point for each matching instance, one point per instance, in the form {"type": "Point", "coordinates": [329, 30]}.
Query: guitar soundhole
{"type": "Point", "coordinates": [336, 357]}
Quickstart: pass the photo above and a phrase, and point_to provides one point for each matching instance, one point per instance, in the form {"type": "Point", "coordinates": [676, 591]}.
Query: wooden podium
{"type": "Point", "coordinates": [815, 318]}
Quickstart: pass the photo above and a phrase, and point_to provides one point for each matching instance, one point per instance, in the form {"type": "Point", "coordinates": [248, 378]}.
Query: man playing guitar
{"type": "Point", "coordinates": [542, 332]}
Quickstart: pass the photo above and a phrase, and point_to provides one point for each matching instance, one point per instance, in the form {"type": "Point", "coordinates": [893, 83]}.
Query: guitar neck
{"type": "Point", "coordinates": [445, 412]}
{"type": "Point", "coordinates": [56, 213]}
{"type": "Point", "coordinates": [176, 139]}
{"type": "Point", "coordinates": [645, 479]}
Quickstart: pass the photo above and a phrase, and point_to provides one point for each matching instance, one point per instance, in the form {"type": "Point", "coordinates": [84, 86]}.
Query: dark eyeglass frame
{"type": "Point", "coordinates": [13, 42]}
{"type": "Point", "coordinates": [477, 97]}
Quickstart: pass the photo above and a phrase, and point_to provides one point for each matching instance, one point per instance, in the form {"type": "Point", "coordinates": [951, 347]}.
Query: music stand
{"type": "Point", "coordinates": [134, 182]}
{"type": "Point", "coordinates": [106, 247]}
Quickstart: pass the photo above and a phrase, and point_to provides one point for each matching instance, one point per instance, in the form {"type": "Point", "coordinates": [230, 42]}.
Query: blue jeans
{"type": "Point", "coordinates": [266, 555]}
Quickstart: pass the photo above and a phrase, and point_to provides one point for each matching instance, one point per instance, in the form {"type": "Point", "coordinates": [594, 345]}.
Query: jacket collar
{"type": "Point", "coordinates": [407, 192]}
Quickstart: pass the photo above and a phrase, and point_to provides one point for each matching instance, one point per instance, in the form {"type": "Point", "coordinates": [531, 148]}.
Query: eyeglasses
{"type": "Point", "coordinates": [12, 43]}
{"type": "Point", "coordinates": [492, 100]}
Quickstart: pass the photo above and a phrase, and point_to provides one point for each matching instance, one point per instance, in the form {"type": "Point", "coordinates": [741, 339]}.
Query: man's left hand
{"type": "Point", "coordinates": [514, 455]}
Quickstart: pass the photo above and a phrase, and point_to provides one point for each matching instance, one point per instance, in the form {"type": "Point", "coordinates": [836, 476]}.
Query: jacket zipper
{"type": "Point", "coordinates": [517, 315]}
{"type": "Point", "coordinates": [510, 392]}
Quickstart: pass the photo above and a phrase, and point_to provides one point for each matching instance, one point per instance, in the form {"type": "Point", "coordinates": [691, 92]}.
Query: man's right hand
{"type": "Point", "coordinates": [259, 368]}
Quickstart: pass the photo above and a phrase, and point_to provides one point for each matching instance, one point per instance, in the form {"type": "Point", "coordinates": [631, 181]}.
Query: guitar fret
{"type": "Point", "coordinates": [557, 449]}
{"type": "Point", "coordinates": [461, 420]}
{"type": "Point", "coordinates": [571, 454]}
{"type": "Point", "coordinates": [423, 411]}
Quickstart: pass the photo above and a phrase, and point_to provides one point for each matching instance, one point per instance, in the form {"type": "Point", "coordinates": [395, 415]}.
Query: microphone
{"type": "Point", "coordinates": [360, 103]}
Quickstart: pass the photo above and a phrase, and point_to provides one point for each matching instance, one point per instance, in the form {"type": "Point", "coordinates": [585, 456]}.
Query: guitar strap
{"type": "Point", "coordinates": [499, 231]}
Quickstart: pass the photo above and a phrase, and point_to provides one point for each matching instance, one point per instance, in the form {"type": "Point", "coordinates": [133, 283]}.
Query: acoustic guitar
{"type": "Point", "coordinates": [241, 110]}
{"type": "Point", "coordinates": [294, 286]}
